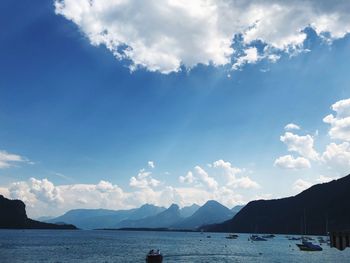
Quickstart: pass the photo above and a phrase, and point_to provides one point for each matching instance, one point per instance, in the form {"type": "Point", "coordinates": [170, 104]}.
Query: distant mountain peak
{"type": "Point", "coordinates": [174, 207]}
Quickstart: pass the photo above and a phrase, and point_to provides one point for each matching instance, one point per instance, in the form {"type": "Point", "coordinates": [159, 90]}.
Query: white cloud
{"type": "Point", "coordinates": [301, 185]}
{"type": "Point", "coordinates": [325, 179]}
{"type": "Point", "coordinates": [143, 180]}
{"type": "Point", "coordinates": [340, 124]}
{"type": "Point", "coordinates": [21, 191]}
{"type": "Point", "coordinates": [43, 197]}
{"type": "Point", "coordinates": [200, 177]}
{"type": "Point", "coordinates": [8, 159]}
{"type": "Point", "coordinates": [205, 179]}
{"type": "Point", "coordinates": [289, 162]}
{"type": "Point", "coordinates": [263, 197]}
{"type": "Point", "coordinates": [337, 156]}
{"type": "Point", "coordinates": [45, 191]}
{"type": "Point", "coordinates": [251, 56]}
{"type": "Point", "coordinates": [188, 179]}
{"type": "Point", "coordinates": [291, 126]}
{"type": "Point", "coordinates": [230, 173]}
{"type": "Point", "coordinates": [151, 164]}
{"type": "Point", "coordinates": [227, 167]}
{"type": "Point", "coordinates": [243, 182]}
{"type": "Point", "coordinates": [304, 145]}
{"type": "Point", "coordinates": [164, 35]}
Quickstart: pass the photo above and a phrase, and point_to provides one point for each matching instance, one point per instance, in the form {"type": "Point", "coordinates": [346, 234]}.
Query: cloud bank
{"type": "Point", "coordinates": [219, 182]}
{"type": "Point", "coordinates": [166, 35]}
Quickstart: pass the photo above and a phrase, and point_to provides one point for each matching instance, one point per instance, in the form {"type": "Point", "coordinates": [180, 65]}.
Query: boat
{"type": "Point", "coordinates": [232, 236]}
{"type": "Point", "coordinates": [309, 246]}
{"type": "Point", "coordinates": [154, 256]}
{"type": "Point", "coordinates": [268, 236]}
{"type": "Point", "coordinates": [257, 238]}
{"type": "Point", "coordinates": [294, 238]}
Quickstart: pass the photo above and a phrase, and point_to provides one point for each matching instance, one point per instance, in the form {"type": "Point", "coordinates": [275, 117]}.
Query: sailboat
{"type": "Point", "coordinates": [306, 244]}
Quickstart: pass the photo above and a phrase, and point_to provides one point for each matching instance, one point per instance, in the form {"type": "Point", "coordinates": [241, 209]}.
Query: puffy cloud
{"type": "Point", "coordinates": [251, 56]}
{"type": "Point", "coordinates": [21, 191]}
{"type": "Point", "coordinates": [45, 191]}
{"type": "Point", "coordinates": [263, 196]}
{"type": "Point", "coordinates": [42, 197]}
{"type": "Point", "coordinates": [104, 186]}
{"type": "Point", "coordinates": [200, 177]}
{"type": "Point", "coordinates": [337, 155]}
{"type": "Point", "coordinates": [151, 164]}
{"type": "Point", "coordinates": [304, 145]}
{"type": "Point", "coordinates": [301, 185]}
{"type": "Point", "coordinates": [4, 191]}
{"type": "Point", "coordinates": [243, 182]}
{"type": "Point", "coordinates": [230, 172]}
{"type": "Point", "coordinates": [289, 162]}
{"type": "Point", "coordinates": [291, 126]}
{"type": "Point", "coordinates": [8, 159]}
{"type": "Point", "coordinates": [188, 179]}
{"type": "Point", "coordinates": [205, 179]}
{"type": "Point", "coordinates": [325, 179]}
{"type": "Point", "coordinates": [340, 124]}
{"type": "Point", "coordinates": [143, 180]}
{"type": "Point", "coordinates": [164, 35]}
{"type": "Point", "coordinates": [227, 167]}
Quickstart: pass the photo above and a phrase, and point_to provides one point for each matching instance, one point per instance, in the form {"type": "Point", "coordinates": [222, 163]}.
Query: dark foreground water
{"type": "Point", "coordinates": [119, 246]}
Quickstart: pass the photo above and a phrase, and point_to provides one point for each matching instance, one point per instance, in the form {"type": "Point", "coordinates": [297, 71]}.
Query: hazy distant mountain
{"type": "Point", "coordinates": [237, 208]}
{"type": "Point", "coordinates": [146, 211]}
{"type": "Point", "coordinates": [320, 208]}
{"type": "Point", "coordinates": [187, 211]}
{"type": "Point", "coordinates": [93, 218]}
{"type": "Point", "coordinates": [163, 219]}
{"type": "Point", "coordinates": [211, 212]}
{"type": "Point", "coordinates": [104, 218]}
{"type": "Point", "coordinates": [13, 215]}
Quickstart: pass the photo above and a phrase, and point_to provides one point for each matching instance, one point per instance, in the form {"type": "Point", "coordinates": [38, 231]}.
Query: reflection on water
{"type": "Point", "coordinates": [120, 246]}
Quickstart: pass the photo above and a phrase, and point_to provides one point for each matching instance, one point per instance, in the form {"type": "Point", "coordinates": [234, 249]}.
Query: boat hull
{"type": "Point", "coordinates": [154, 259]}
{"type": "Point", "coordinates": [303, 247]}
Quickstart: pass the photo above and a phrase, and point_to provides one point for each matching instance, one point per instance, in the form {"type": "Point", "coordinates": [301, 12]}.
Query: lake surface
{"type": "Point", "coordinates": [121, 246]}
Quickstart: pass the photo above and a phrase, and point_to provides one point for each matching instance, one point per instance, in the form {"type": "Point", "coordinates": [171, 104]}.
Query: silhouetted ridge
{"type": "Point", "coordinates": [13, 215]}
{"type": "Point", "coordinates": [321, 208]}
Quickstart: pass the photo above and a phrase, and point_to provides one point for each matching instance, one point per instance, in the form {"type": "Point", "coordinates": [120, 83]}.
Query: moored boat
{"type": "Point", "coordinates": [257, 238]}
{"type": "Point", "coordinates": [309, 246]}
{"type": "Point", "coordinates": [268, 236]}
{"type": "Point", "coordinates": [154, 256]}
{"type": "Point", "coordinates": [232, 236]}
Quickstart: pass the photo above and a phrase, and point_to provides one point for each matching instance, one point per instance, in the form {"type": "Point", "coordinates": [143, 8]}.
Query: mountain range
{"type": "Point", "coordinates": [104, 218]}
{"type": "Point", "coordinates": [211, 212]}
{"type": "Point", "coordinates": [148, 216]}
{"type": "Point", "coordinates": [317, 210]}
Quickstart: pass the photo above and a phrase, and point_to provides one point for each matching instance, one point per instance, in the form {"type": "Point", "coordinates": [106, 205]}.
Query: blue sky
{"type": "Point", "coordinates": [74, 115]}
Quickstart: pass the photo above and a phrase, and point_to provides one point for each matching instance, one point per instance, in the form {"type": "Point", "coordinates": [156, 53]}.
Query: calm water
{"type": "Point", "coordinates": [119, 246]}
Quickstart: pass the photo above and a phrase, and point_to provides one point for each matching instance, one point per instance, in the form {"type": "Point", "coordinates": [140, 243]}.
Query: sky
{"type": "Point", "coordinates": [116, 103]}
